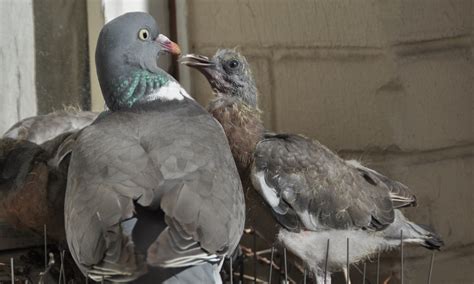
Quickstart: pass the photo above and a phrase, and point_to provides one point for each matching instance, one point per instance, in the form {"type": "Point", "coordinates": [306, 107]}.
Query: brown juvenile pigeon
{"type": "Point", "coordinates": [34, 158]}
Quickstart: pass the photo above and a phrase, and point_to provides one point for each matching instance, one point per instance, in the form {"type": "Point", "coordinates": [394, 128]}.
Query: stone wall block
{"type": "Point", "coordinates": [285, 23]}
{"type": "Point", "coordinates": [416, 102]}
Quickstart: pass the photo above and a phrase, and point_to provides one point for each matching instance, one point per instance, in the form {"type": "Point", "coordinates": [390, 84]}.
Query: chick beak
{"type": "Point", "coordinates": [201, 63]}
{"type": "Point", "coordinates": [168, 45]}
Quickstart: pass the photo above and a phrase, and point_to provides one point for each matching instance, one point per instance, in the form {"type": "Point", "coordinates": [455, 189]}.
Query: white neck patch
{"type": "Point", "coordinates": [169, 92]}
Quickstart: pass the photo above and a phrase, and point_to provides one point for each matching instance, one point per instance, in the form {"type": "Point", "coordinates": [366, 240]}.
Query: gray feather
{"type": "Point", "coordinates": [175, 158]}
{"type": "Point", "coordinates": [320, 187]}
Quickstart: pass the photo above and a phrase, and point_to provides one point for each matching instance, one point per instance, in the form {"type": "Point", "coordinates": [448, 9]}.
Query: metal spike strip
{"type": "Point", "coordinates": [347, 263]}
{"type": "Point", "coordinates": [271, 266]}
{"type": "Point", "coordinates": [45, 238]}
{"type": "Point", "coordinates": [242, 269]}
{"type": "Point", "coordinates": [378, 267]}
{"type": "Point", "coordinates": [304, 276]}
{"type": "Point", "coordinates": [286, 270]}
{"type": "Point", "coordinates": [281, 276]}
{"type": "Point", "coordinates": [62, 274]}
{"type": "Point", "coordinates": [12, 264]}
{"type": "Point", "coordinates": [326, 262]}
{"type": "Point", "coordinates": [363, 274]}
{"type": "Point", "coordinates": [401, 256]}
{"type": "Point", "coordinates": [431, 267]}
{"type": "Point", "coordinates": [230, 271]}
{"type": "Point", "coordinates": [254, 239]}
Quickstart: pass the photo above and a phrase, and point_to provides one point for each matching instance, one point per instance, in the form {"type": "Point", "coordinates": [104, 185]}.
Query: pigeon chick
{"type": "Point", "coordinates": [153, 194]}
{"type": "Point", "coordinates": [313, 194]}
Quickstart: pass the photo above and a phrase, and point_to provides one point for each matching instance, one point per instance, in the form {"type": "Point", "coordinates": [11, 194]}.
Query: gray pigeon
{"type": "Point", "coordinates": [41, 128]}
{"type": "Point", "coordinates": [153, 193]}
{"type": "Point", "coordinates": [314, 194]}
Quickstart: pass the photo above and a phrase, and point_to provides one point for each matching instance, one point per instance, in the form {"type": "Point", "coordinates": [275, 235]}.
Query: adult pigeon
{"type": "Point", "coordinates": [314, 194]}
{"type": "Point", "coordinates": [153, 193]}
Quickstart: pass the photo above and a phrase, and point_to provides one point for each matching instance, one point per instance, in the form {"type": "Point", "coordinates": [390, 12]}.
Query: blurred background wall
{"type": "Point", "coordinates": [386, 82]}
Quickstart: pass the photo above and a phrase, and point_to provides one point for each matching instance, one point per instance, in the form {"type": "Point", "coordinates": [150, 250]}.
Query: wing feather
{"type": "Point", "coordinates": [318, 186]}
{"type": "Point", "coordinates": [177, 164]}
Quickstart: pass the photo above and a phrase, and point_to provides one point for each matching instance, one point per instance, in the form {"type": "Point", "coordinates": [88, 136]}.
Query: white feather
{"type": "Point", "coordinates": [269, 193]}
{"type": "Point", "coordinates": [169, 92]}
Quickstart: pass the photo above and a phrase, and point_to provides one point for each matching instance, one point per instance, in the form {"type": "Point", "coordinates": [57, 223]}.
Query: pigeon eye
{"type": "Point", "coordinates": [143, 34]}
{"type": "Point", "coordinates": [234, 64]}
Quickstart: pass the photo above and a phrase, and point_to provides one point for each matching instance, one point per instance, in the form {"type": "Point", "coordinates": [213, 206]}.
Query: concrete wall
{"type": "Point", "coordinates": [44, 67]}
{"type": "Point", "coordinates": [387, 82]}
{"type": "Point", "coordinates": [17, 62]}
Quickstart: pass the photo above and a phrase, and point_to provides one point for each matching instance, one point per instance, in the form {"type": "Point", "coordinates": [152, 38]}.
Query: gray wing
{"type": "Point", "coordinates": [399, 193]}
{"type": "Point", "coordinates": [39, 129]}
{"type": "Point", "coordinates": [300, 177]}
{"type": "Point", "coordinates": [174, 162]}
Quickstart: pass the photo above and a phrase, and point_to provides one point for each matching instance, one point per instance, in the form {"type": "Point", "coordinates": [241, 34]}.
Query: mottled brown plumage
{"type": "Point", "coordinates": [32, 189]}
{"type": "Point", "coordinates": [243, 128]}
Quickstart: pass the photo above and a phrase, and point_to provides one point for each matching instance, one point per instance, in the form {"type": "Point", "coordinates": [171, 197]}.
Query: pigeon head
{"type": "Point", "coordinates": [228, 73]}
{"type": "Point", "coordinates": [126, 58]}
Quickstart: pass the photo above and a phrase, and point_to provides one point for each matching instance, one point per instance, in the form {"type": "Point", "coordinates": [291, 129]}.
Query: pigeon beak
{"type": "Point", "coordinates": [168, 45]}
{"type": "Point", "coordinates": [201, 63]}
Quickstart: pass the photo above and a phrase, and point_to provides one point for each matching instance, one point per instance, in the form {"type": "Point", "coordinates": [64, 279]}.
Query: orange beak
{"type": "Point", "coordinates": [168, 45]}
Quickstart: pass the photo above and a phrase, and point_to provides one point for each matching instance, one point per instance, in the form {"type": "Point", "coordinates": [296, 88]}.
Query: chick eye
{"type": "Point", "coordinates": [234, 64]}
{"type": "Point", "coordinates": [143, 34]}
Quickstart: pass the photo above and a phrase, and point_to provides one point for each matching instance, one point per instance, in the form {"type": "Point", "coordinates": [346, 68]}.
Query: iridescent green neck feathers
{"type": "Point", "coordinates": [136, 86]}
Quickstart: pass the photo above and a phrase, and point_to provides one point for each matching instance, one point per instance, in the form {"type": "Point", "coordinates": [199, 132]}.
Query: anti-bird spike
{"type": "Point", "coordinates": [271, 265]}
{"type": "Point", "coordinates": [326, 262]}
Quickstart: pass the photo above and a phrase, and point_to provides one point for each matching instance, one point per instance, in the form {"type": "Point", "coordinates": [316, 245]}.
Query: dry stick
{"type": "Point", "coordinates": [326, 262]}
{"type": "Point", "coordinates": [401, 255]}
{"type": "Point", "coordinates": [431, 267]}
{"type": "Point", "coordinates": [363, 275]}
{"type": "Point", "coordinates": [249, 277]}
{"type": "Point", "coordinates": [13, 270]}
{"type": "Point", "coordinates": [286, 271]}
{"type": "Point", "coordinates": [378, 267]}
{"type": "Point", "coordinates": [271, 266]}
{"type": "Point", "coordinates": [347, 262]}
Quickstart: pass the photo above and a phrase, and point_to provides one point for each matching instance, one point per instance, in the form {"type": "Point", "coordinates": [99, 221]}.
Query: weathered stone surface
{"type": "Point", "coordinates": [17, 62]}
{"type": "Point", "coordinates": [281, 22]}
{"type": "Point", "coordinates": [61, 55]}
{"type": "Point", "coordinates": [422, 20]}
{"type": "Point", "coordinates": [412, 102]}
{"type": "Point", "coordinates": [304, 23]}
